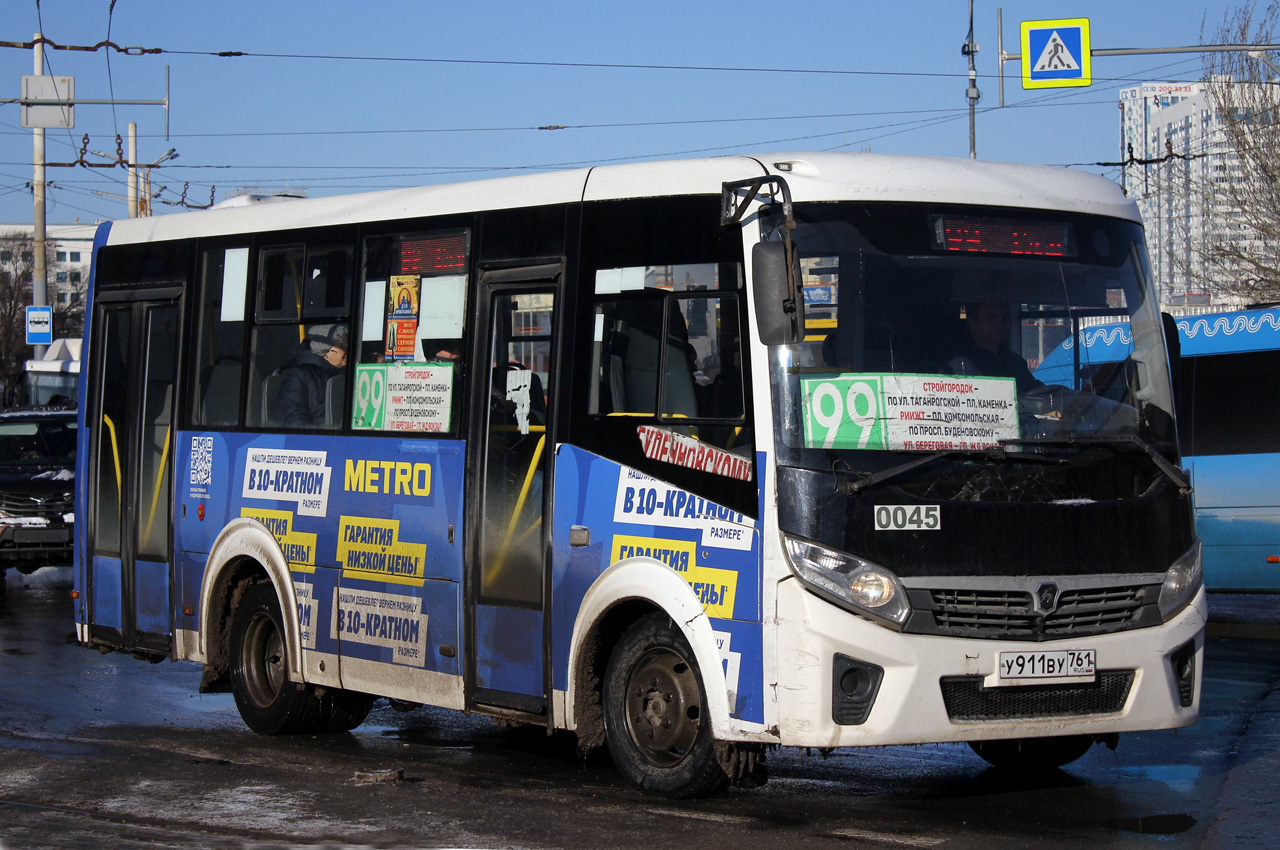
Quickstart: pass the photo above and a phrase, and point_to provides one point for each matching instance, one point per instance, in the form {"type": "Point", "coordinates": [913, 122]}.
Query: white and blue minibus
{"type": "Point", "coordinates": [691, 458]}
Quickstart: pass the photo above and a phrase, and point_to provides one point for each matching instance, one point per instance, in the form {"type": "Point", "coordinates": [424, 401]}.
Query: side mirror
{"type": "Point", "coordinates": [779, 313]}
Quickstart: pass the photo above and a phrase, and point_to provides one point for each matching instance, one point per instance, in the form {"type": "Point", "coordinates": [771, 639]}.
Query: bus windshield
{"type": "Point", "coordinates": [926, 328]}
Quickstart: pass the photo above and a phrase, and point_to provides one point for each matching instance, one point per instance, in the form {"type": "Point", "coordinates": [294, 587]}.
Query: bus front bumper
{"type": "Point", "coordinates": [918, 689]}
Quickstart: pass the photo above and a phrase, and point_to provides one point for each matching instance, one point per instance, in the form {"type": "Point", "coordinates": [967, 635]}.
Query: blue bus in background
{"type": "Point", "coordinates": [1228, 391]}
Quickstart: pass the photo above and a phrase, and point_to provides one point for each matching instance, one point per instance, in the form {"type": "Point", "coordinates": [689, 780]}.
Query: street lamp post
{"type": "Point", "coordinates": [144, 199]}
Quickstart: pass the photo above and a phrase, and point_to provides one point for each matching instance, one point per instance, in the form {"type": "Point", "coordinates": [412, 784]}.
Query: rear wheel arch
{"type": "Point", "coordinates": [243, 554]}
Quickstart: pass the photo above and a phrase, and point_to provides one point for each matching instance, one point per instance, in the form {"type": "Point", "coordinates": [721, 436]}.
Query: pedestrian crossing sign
{"type": "Point", "coordinates": [1056, 54]}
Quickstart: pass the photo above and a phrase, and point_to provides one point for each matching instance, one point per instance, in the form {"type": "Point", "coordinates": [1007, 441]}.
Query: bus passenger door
{"type": "Point", "coordinates": [130, 416]}
{"type": "Point", "coordinates": [507, 575]}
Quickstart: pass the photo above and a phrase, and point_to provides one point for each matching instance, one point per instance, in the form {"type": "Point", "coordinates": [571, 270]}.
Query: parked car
{"type": "Point", "coordinates": [37, 480]}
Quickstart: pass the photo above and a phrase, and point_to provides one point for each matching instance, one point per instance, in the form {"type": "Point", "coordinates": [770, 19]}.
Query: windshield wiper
{"type": "Point", "coordinates": [1174, 474]}
{"type": "Point", "coordinates": [996, 453]}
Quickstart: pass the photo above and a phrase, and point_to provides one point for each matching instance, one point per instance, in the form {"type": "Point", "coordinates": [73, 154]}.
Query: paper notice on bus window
{"type": "Point", "coordinates": [403, 397]}
{"type": "Point", "coordinates": [442, 307]}
{"type": "Point", "coordinates": [402, 317]}
{"type": "Point", "coordinates": [908, 412]}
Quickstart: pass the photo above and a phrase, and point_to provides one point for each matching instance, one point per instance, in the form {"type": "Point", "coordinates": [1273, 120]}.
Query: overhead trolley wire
{"type": "Point", "coordinates": [523, 63]}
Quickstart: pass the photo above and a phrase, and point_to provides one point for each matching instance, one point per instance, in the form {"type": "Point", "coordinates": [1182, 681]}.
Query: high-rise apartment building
{"type": "Point", "coordinates": [1173, 143]}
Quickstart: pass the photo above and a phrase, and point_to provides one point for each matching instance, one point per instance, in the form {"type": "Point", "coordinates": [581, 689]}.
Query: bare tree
{"type": "Point", "coordinates": [68, 315]}
{"type": "Point", "coordinates": [17, 265]}
{"type": "Point", "coordinates": [17, 269]}
{"type": "Point", "coordinates": [1237, 252]}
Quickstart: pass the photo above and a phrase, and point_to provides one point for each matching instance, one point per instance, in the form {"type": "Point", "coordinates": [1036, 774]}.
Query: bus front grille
{"type": "Point", "coordinates": [1014, 615]}
{"type": "Point", "coordinates": [968, 701]}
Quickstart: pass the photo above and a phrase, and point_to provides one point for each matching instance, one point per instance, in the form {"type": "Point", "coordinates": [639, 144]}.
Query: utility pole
{"type": "Point", "coordinates": [133, 170]}
{"type": "Point", "coordinates": [970, 49]}
{"type": "Point", "coordinates": [40, 276]}
{"type": "Point", "coordinates": [37, 99]}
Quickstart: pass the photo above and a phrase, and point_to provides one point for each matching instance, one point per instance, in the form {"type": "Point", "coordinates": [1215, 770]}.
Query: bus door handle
{"type": "Point", "coordinates": [579, 535]}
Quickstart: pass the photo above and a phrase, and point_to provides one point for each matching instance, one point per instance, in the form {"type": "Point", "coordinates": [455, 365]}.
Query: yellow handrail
{"type": "Point", "coordinates": [524, 495]}
{"type": "Point", "coordinates": [500, 563]}
{"type": "Point", "coordinates": [537, 524]}
{"type": "Point", "coordinates": [115, 450]}
{"type": "Point", "coordinates": [155, 496]}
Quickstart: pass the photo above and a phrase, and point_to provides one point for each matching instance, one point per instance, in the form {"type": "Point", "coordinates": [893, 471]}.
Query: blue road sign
{"type": "Point", "coordinates": [1056, 54]}
{"type": "Point", "coordinates": [39, 326]}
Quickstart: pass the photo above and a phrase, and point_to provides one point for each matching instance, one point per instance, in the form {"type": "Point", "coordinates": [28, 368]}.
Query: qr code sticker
{"type": "Point", "coordinates": [202, 460]}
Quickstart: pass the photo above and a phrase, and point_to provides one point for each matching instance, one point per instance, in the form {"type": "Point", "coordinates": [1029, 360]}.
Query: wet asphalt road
{"type": "Point", "coordinates": [107, 751]}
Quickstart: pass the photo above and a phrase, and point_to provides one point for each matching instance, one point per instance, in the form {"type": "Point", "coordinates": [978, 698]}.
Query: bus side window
{"type": "Point", "coordinates": [628, 360]}
{"type": "Point", "coordinates": [303, 299]}
{"type": "Point", "coordinates": [219, 345]}
{"type": "Point", "coordinates": [671, 349]}
{"type": "Point", "coordinates": [660, 344]}
{"type": "Point", "coordinates": [713, 350]}
{"type": "Point", "coordinates": [413, 315]}
{"type": "Point", "coordinates": [280, 283]}
{"type": "Point", "coordinates": [327, 288]}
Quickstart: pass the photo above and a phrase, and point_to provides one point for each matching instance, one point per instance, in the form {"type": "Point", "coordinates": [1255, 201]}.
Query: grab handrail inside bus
{"type": "Point", "coordinates": [155, 496]}
{"type": "Point", "coordinates": [507, 539]}
{"type": "Point", "coordinates": [525, 487]}
{"type": "Point", "coordinates": [115, 450]}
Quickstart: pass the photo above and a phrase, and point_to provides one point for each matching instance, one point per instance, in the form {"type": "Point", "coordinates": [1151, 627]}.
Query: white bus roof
{"type": "Point", "coordinates": [811, 176]}
{"type": "Point", "coordinates": [62, 356]}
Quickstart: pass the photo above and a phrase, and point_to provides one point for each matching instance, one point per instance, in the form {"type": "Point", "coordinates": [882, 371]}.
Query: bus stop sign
{"type": "Point", "coordinates": [39, 326]}
{"type": "Point", "coordinates": [1056, 54]}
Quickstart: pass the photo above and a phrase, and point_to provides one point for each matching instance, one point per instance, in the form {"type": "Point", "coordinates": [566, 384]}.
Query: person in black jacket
{"type": "Point", "coordinates": [985, 352]}
{"type": "Point", "coordinates": [302, 391]}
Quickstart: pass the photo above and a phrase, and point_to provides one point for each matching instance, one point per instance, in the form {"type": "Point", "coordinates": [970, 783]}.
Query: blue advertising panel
{"type": "Point", "coordinates": [371, 528]}
{"type": "Point", "coordinates": [630, 514]}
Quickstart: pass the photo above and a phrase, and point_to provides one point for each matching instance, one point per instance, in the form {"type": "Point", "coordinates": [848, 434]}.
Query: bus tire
{"type": "Point", "coordinates": [655, 715]}
{"type": "Point", "coordinates": [1033, 754]}
{"type": "Point", "coordinates": [269, 703]}
{"type": "Point", "coordinates": [342, 711]}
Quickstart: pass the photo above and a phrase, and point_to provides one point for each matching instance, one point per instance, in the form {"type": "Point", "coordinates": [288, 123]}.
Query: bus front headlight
{"type": "Point", "coordinates": [1181, 581]}
{"type": "Point", "coordinates": [859, 585]}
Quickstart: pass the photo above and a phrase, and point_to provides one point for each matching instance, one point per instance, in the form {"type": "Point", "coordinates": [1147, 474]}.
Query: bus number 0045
{"type": "Point", "coordinates": [908, 518]}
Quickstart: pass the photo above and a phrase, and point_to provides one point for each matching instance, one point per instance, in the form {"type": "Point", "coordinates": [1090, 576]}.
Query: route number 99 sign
{"type": "Point", "coordinates": [404, 396]}
{"type": "Point", "coordinates": [371, 393]}
{"type": "Point", "coordinates": [843, 412]}
{"type": "Point", "coordinates": [897, 412]}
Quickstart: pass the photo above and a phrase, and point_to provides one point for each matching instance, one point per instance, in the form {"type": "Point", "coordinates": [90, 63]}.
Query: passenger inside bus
{"type": "Point", "coordinates": [443, 351]}
{"type": "Point", "coordinates": [302, 402]}
{"type": "Point", "coordinates": [984, 352]}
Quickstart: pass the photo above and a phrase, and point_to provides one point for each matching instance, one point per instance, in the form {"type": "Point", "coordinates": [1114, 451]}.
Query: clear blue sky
{"type": "Point", "coordinates": [333, 125]}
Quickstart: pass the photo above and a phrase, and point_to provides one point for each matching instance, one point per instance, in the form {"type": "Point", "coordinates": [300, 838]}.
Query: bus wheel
{"type": "Point", "coordinates": [269, 703]}
{"type": "Point", "coordinates": [342, 711]}
{"type": "Point", "coordinates": [655, 716]}
{"type": "Point", "coordinates": [1033, 754]}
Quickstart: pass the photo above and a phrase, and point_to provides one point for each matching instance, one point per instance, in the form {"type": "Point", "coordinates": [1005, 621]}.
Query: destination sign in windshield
{"type": "Point", "coordinates": [908, 412]}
